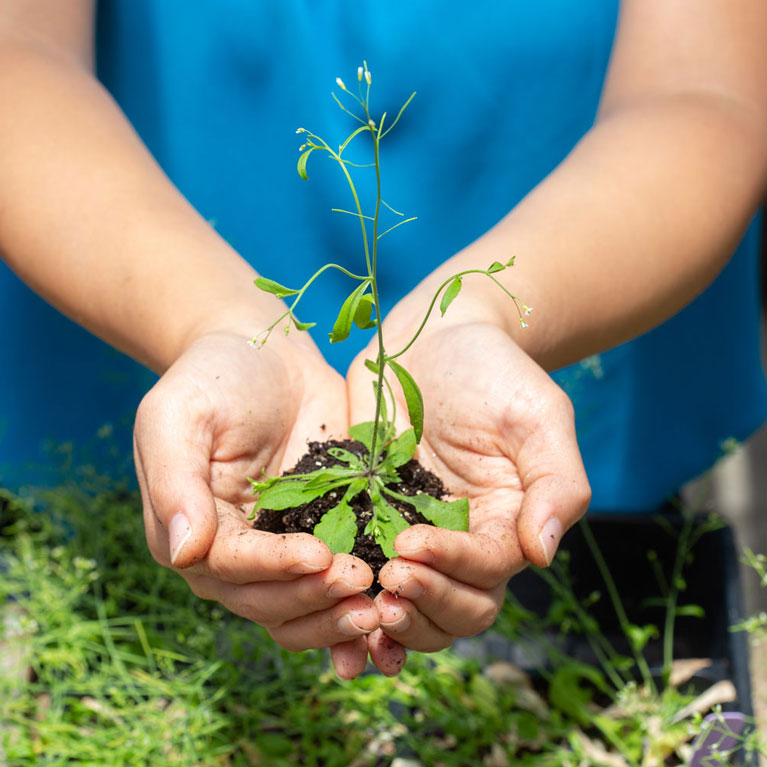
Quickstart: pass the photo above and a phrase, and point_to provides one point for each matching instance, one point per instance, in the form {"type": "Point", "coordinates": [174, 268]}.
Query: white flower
{"type": "Point", "coordinates": [528, 310]}
{"type": "Point", "coordinates": [300, 130]}
{"type": "Point", "coordinates": [522, 323]}
{"type": "Point", "coordinates": [359, 73]}
{"type": "Point", "coordinates": [302, 147]}
{"type": "Point", "coordinates": [368, 77]}
{"type": "Point", "coordinates": [340, 83]}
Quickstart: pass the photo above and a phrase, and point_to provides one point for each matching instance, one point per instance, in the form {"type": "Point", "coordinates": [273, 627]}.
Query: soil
{"type": "Point", "coordinates": [302, 519]}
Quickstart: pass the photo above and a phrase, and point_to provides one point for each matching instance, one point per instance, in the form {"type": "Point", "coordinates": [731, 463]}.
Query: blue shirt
{"type": "Point", "coordinates": [504, 92]}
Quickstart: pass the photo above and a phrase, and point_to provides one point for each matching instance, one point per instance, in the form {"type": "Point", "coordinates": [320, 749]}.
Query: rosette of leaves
{"type": "Point", "coordinates": [338, 527]}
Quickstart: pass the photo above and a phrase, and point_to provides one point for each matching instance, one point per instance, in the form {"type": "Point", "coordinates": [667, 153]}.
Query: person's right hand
{"type": "Point", "coordinates": [224, 412]}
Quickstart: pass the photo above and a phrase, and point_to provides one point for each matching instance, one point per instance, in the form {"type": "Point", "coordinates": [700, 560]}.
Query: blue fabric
{"type": "Point", "coordinates": [504, 91]}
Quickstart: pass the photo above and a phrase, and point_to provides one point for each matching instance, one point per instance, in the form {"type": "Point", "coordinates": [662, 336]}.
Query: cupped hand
{"type": "Point", "coordinates": [499, 431]}
{"type": "Point", "coordinates": [224, 412]}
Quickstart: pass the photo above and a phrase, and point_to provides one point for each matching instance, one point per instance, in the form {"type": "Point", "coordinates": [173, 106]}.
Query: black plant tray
{"type": "Point", "coordinates": [712, 582]}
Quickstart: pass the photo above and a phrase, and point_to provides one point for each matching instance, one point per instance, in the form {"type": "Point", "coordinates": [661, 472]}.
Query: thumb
{"type": "Point", "coordinates": [173, 469]}
{"type": "Point", "coordinates": [556, 489]}
{"type": "Point", "coordinates": [549, 508]}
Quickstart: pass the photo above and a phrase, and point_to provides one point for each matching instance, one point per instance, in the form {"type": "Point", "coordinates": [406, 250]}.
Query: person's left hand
{"type": "Point", "coordinates": [498, 430]}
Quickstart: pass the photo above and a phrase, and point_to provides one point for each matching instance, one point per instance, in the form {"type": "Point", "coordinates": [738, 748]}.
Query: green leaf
{"type": "Point", "coordinates": [302, 163]}
{"type": "Point", "coordinates": [691, 611]}
{"type": "Point", "coordinates": [343, 323]}
{"type": "Point", "coordinates": [288, 495]}
{"type": "Point", "coordinates": [496, 266]}
{"type": "Point", "coordinates": [333, 476]}
{"type": "Point", "coordinates": [510, 262]}
{"type": "Point", "coordinates": [387, 523]}
{"type": "Point", "coordinates": [639, 636]}
{"type": "Point", "coordinates": [568, 695]}
{"type": "Point", "coordinates": [338, 528]}
{"type": "Point", "coordinates": [270, 286]}
{"type": "Point", "coordinates": [413, 398]}
{"type": "Point", "coordinates": [371, 366]}
{"type": "Point", "coordinates": [345, 456]}
{"type": "Point", "coordinates": [363, 432]}
{"type": "Point", "coordinates": [452, 515]}
{"type": "Point", "coordinates": [302, 325]}
{"type": "Point", "coordinates": [399, 451]}
{"type": "Point", "coordinates": [453, 289]}
{"type": "Point", "coordinates": [362, 316]}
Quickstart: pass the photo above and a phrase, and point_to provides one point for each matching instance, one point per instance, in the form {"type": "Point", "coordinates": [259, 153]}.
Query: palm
{"type": "Point", "coordinates": [498, 431]}
{"type": "Point", "coordinates": [265, 409]}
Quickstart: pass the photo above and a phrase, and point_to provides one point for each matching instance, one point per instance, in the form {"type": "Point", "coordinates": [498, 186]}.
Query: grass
{"type": "Point", "coordinates": [108, 659]}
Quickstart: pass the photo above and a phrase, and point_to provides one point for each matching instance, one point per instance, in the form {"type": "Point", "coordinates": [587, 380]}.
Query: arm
{"type": "Point", "coordinates": [89, 220]}
{"type": "Point", "coordinates": [636, 221]}
{"type": "Point", "coordinates": [649, 206]}
{"type": "Point", "coordinates": [85, 210]}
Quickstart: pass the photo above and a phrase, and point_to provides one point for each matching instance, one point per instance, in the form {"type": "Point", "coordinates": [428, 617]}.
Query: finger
{"type": "Point", "coordinates": [350, 658]}
{"type": "Point", "coordinates": [172, 452]}
{"type": "Point", "coordinates": [387, 654]}
{"type": "Point", "coordinates": [350, 619]}
{"type": "Point", "coordinates": [481, 559]}
{"type": "Point", "coordinates": [240, 554]}
{"type": "Point", "coordinates": [556, 489]}
{"type": "Point", "coordinates": [401, 620]}
{"type": "Point", "coordinates": [456, 608]}
{"type": "Point", "coordinates": [275, 602]}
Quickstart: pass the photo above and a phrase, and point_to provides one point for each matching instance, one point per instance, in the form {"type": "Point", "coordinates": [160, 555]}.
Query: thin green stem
{"type": "Point", "coordinates": [399, 223]}
{"type": "Point", "coordinates": [375, 448]}
{"type": "Point", "coordinates": [601, 648]}
{"type": "Point", "coordinates": [303, 289]}
{"type": "Point", "coordinates": [616, 602]}
{"type": "Point", "coordinates": [682, 550]}
{"type": "Point", "coordinates": [434, 301]}
{"type": "Point", "coordinates": [358, 206]}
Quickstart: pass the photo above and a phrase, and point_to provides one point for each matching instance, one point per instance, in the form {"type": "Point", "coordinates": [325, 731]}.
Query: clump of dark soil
{"type": "Point", "coordinates": [302, 519]}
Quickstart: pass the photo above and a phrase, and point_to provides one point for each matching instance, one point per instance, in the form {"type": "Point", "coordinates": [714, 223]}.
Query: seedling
{"type": "Point", "coordinates": [376, 473]}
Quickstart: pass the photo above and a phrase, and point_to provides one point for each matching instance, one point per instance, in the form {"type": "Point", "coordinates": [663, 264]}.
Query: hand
{"type": "Point", "coordinates": [498, 430]}
{"type": "Point", "coordinates": [220, 414]}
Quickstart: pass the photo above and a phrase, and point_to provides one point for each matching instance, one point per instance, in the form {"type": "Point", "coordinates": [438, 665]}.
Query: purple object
{"type": "Point", "coordinates": [719, 734]}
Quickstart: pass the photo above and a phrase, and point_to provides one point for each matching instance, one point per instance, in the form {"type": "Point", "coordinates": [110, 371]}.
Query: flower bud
{"type": "Point", "coordinates": [340, 83]}
{"type": "Point", "coordinates": [359, 74]}
{"type": "Point", "coordinates": [368, 77]}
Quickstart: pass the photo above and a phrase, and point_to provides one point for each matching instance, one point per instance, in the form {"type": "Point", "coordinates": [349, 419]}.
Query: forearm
{"type": "Point", "coordinates": [90, 222]}
{"type": "Point", "coordinates": [631, 227]}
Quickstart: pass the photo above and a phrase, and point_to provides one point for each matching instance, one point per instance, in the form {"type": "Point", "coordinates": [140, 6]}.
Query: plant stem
{"type": "Point", "coordinates": [616, 601]}
{"type": "Point", "coordinates": [673, 595]}
{"type": "Point", "coordinates": [374, 447]}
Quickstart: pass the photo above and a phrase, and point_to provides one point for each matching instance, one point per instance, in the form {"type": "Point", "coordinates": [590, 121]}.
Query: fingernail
{"type": "Point", "coordinates": [341, 588]}
{"type": "Point", "coordinates": [421, 555]}
{"type": "Point", "coordinates": [304, 568]}
{"type": "Point", "coordinates": [179, 531]}
{"type": "Point", "coordinates": [410, 588]}
{"type": "Point", "coordinates": [549, 537]}
{"type": "Point", "coordinates": [401, 624]}
{"type": "Point", "coordinates": [349, 628]}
